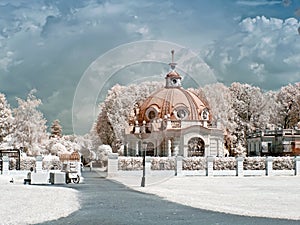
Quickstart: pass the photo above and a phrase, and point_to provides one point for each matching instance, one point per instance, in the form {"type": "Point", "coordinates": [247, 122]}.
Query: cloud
{"type": "Point", "coordinates": [258, 3]}
{"type": "Point", "coordinates": [261, 52]}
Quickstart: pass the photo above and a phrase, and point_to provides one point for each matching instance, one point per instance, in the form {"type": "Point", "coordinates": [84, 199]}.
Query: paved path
{"type": "Point", "coordinates": [107, 202]}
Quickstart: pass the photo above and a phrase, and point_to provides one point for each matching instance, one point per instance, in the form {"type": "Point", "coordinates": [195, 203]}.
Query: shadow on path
{"type": "Point", "coordinates": [107, 202]}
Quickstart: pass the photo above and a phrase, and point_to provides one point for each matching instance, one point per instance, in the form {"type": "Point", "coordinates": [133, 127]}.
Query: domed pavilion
{"type": "Point", "coordinates": [173, 122]}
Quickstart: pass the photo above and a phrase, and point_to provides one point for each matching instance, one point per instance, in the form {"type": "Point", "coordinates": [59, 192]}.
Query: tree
{"type": "Point", "coordinates": [253, 110]}
{"type": "Point", "coordinates": [56, 129]}
{"type": "Point", "coordinates": [6, 118]}
{"type": "Point", "coordinates": [29, 123]}
{"type": "Point", "coordinates": [288, 99]}
{"type": "Point", "coordinates": [116, 110]}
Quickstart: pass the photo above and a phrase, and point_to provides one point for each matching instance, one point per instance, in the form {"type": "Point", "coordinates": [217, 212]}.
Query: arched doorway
{"type": "Point", "coordinates": [196, 147]}
{"type": "Point", "coordinates": [150, 149]}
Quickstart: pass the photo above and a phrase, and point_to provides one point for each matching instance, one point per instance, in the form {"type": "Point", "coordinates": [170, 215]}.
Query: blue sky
{"type": "Point", "coordinates": [49, 44]}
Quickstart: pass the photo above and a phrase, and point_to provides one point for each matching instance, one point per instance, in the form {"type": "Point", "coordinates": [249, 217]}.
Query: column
{"type": "Point", "coordinates": [178, 166]}
{"type": "Point", "coordinates": [239, 166]}
{"type": "Point", "coordinates": [169, 148]}
{"type": "Point", "coordinates": [112, 165]}
{"type": "Point", "coordinates": [39, 164]}
{"type": "Point", "coordinates": [269, 166]}
{"type": "Point", "coordinates": [209, 166]}
{"type": "Point", "coordinates": [5, 165]}
{"type": "Point", "coordinates": [297, 165]}
{"type": "Point", "coordinates": [136, 148]}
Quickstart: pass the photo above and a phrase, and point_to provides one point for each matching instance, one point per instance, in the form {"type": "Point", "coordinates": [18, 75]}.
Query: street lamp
{"type": "Point", "coordinates": [144, 146]}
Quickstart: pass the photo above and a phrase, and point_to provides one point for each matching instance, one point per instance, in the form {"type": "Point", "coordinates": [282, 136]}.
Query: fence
{"type": "Point", "coordinates": [205, 166]}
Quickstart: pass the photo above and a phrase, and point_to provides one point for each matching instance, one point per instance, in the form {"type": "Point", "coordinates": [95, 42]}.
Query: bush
{"type": "Point", "coordinates": [27, 163]}
{"type": "Point", "coordinates": [163, 163]}
{"type": "Point", "coordinates": [194, 163]}
{"type": "Point", "coordinates": [225, 163]}
{"type": "Point", "coordinates": [254, 163]}
{"type": "Point", "coordinates": [130, 163]}
{"type": "Point", "coordinates": [283, 163]}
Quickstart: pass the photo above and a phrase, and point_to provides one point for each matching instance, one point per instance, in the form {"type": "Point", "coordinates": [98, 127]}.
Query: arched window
{"type": "Point", "coordinates": [181, 113]}
{"type": "Point", "coordinates": [152, 113]}
{"type": "Point", "coordinates": [196, 147]}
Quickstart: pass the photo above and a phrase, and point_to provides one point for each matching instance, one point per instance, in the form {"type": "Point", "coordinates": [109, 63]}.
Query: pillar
{"type": "Point", "coordinates": [269, 166]}
{"type": "Point", "coordinates": [209, 166]}
{"type": "Point", "coordinates": [39, 164]}
{"type": "Point", "coordinates": [239, 166]}
{"type": "Point", "coordinates": [297, 165]}
{"type": "Point", "coordinates": [5, 165]}
{"type": "Point", "coordinates": [112, 165]}
{"type": "Point", "coordinates": [178, 166]}
{"type": "Point", "coordinates": [169, 148]}
{"type": "Point", "coordinates": [136, 148]}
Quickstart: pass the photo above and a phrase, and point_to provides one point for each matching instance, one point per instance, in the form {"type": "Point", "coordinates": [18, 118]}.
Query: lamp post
{"type": "Point", "coordinates": [144, 146]}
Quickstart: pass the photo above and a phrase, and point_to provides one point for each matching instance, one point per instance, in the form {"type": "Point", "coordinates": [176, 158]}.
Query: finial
{"type": "Point", "coordinates": [172, 64]}
{"type": "Point", "coordinates": [172, 52]}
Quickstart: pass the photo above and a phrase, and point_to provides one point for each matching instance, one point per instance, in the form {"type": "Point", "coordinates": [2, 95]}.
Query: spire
{"type": "Point", "coordinates": [173, 64]}
{"type": "Point", "coordinates": [173, 78]}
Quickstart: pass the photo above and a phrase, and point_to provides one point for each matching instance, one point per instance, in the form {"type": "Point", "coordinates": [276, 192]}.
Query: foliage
{"type": "Point", "coordinates": [29, 123]}
{"type": "Point", "coordinates": [118, 109]}
{"type": "Point", "coordinates": [56, 129]}
{"type": "Point", "coordinates": [6, 118]}
{"type": "Point", "coordinates": [194, 163]}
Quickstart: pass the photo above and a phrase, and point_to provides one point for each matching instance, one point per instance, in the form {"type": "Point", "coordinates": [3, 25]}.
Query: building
{"type": "Point", "coordinates": [173, 121]}
{"type": "Point", "coordinates": [278, 142]}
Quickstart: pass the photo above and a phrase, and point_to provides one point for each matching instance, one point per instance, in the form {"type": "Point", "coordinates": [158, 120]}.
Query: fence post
{"type": "Point", "coordinates": [269, 166]}
{"type": "Point", "coordinates": [239, 166]}
{"type": "Point", "coordinates": [178, 166]}
{"type": "Point", "coordinates": [209, 166]}
{"type": "Point", "coordinates": [39, 164]}
{"type": "Point", "coordinates": [297, 165]}
{"type": "Point", "coordinates": [112, 165]}
{"type": "Point", "coordinates": [5, 165]}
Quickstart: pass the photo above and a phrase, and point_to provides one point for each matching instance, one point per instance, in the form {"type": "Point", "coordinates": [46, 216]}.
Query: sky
{"type": "Point", "coordinates": [49, 45]}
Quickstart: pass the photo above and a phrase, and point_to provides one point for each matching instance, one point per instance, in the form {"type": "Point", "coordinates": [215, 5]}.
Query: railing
{"type": "Point", "coordinates": [208, 166]}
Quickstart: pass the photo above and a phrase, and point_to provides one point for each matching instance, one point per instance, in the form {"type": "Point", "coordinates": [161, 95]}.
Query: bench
{"type": "Point", "coordinates": [26, 180]}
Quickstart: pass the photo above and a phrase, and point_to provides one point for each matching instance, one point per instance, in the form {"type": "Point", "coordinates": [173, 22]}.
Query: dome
{"type": "Point", "coordinates": [176, 103]}
{"type": "Point", "coordinates": [173, 102]}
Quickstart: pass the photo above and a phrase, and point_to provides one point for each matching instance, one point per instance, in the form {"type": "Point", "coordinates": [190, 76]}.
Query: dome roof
{"type": "Point", "coordinates": [177, 103]}
{"type": "Point", "coordinates": [173, 101]}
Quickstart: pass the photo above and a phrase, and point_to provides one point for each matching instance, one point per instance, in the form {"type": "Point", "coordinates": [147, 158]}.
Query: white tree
{"type": "Point", "coordinates": [116, 110]}
{"type": "Point", "coordinates": [253, 109]}
{"type": "Point", "coordinates": [6, 118]}
{"type": "Point", "coordinates": [288, 99]}
{"type": "Point", "coordinates": [29, 123]}
{"type": "Point", "coordinates": [56, 129]}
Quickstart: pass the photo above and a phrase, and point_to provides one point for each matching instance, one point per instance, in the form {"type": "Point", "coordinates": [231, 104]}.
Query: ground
{"type": "Point", "coordinates": [275, 197]}
{"type": "Point", "coordinates": [28, 204]}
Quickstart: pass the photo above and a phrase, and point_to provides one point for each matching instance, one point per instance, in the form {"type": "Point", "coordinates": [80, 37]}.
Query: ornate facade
{"type": "Point", "coordinates": [173, 121]}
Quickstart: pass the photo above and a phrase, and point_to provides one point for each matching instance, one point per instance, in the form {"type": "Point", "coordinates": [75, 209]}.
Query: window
{"type": "Point", "coordinates": [151, 113]}
{"type": "Point", "coordinates": [205, 114]}
{"type": "Point", "coordinates": [181, 113]}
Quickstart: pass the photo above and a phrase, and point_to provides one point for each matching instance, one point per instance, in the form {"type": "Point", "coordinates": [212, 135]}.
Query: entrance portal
{"type": "Point", "coordinates": [196, 147]}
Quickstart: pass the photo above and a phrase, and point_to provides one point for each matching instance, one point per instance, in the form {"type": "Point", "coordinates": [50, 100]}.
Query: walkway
{"type": "Point", "coordinates": [108, 202]}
